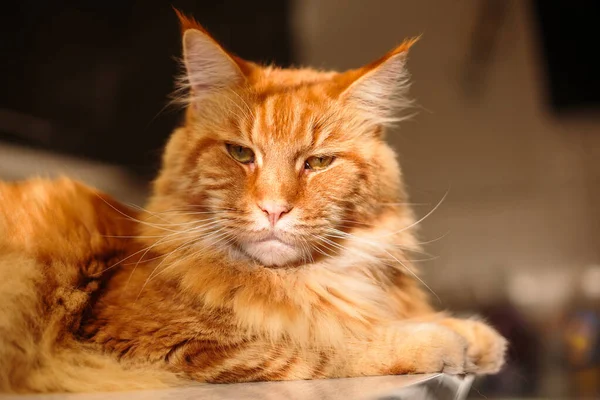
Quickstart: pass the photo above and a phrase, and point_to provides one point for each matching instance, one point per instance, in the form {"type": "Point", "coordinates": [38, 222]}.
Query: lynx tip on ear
{"type": "Point", "coordinates": [187, 23]}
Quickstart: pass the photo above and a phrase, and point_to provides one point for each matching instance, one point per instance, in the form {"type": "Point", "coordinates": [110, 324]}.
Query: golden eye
{"type": "Point", "coordinates": [317, 163]}
{"type": "Point", "coordinates": [240, 153]}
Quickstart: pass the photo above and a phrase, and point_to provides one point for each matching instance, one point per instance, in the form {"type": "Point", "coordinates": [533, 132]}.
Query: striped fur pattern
{"type": "Point", "coordinates": [204, 283]}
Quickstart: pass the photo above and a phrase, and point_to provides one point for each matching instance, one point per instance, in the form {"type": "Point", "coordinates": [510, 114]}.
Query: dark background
{"type": "Point", "coordinates": [569, 34]}
{"type": "Point", "coordinates": [92, 78]}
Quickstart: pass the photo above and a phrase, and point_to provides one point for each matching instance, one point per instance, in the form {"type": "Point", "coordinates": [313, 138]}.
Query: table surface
{"type": "Point", "coordinates": [432, 387]}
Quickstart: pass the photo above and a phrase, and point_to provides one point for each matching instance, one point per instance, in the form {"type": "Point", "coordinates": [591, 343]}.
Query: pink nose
{"type": "Point", "coordinates": [274, 210]}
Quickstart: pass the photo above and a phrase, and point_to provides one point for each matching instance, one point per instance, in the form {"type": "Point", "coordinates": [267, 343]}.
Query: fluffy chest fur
{"type": "Point", "coordinates": [193, 297]}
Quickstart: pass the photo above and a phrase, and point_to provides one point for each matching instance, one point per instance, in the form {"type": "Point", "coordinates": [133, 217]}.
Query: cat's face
{"type": "Point", "coordinates": [276, 165]}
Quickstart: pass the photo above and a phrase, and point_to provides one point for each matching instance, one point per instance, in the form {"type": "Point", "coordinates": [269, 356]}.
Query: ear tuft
{"type": "Point", "coordinates": [380, 88]}
{"type": "Point", "coordinates": [186, 22]}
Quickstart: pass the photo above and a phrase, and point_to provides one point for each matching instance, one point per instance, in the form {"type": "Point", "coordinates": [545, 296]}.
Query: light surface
{"type": "Point", "coordinates": [428, 387]}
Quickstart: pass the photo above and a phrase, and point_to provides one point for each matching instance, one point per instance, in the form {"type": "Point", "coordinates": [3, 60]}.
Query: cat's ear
{"type": "Point", "coordinates": [209, 67]}
{"type": "Point", "coordinates": [379, 89]}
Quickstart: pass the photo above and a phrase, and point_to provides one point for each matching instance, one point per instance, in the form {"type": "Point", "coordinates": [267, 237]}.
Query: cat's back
{"type": "Point", "coordinates": [58, 218]}
{"type": "Point", "coordinates": [65, 233]}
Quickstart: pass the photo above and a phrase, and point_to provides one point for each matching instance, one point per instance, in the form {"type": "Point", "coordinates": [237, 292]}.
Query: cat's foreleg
{"type": "Point", "coordinates": [446, 345]}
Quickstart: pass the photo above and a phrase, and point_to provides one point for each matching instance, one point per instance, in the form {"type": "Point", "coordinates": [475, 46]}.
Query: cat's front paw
{"type": "Point", "coordinates": [486, 349]}
{"type": "Point", "coordinates": [431, 348]}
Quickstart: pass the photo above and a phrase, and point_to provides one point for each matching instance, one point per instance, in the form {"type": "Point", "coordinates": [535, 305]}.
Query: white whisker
{"type": "Point", "coordinates": [422, 218]}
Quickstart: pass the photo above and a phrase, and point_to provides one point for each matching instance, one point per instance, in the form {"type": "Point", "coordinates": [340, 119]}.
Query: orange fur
{"type": "Point", "coordinates": [55, 251]}
{"type": "Point", "coordinates": [202, 284]}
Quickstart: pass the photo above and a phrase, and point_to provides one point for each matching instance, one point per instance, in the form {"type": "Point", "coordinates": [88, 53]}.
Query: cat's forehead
{"type": "Point", "coordinates": [270, 79]}
{"type": "Point", "coordinates": [292, 120]}
{"type": "Point", "coordinates": [292, 109]}
{"type": "Point", "coordinates": [283, 119]}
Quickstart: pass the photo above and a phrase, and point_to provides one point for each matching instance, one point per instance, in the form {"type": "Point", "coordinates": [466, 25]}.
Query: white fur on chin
{"type": "Point", "coordinates": [272, 252]}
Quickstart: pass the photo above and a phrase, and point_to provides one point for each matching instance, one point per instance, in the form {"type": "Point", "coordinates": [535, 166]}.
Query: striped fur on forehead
{"type": "Point", "coordinates": [302, 126]}
{"type": "Point", "coordinates": [284, 119]}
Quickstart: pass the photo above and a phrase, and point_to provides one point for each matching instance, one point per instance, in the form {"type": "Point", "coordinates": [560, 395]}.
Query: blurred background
{"type": "Point", "coordinates": [508, 126]}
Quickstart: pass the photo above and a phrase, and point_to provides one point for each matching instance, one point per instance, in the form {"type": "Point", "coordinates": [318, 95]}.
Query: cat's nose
{"type": "Point", "coordinates": [274, 210]}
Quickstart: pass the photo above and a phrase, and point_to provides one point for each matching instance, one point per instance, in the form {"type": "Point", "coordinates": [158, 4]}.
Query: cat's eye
{"type": "Point", "coordinates": [240, 153]}
{"type": "Point", "coordinates": [316, 163]}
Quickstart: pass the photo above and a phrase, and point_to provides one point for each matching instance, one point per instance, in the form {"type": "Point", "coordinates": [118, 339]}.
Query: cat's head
{"type": "Point", "coordinates": [275, 165]}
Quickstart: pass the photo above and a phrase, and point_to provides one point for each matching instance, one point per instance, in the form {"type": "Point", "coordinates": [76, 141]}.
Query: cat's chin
{"type": "Point", "coordinates": [273, 253]}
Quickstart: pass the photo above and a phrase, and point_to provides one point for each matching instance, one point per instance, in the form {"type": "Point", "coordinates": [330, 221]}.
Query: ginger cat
{"type": "Point", "coordinates": [276, 246]}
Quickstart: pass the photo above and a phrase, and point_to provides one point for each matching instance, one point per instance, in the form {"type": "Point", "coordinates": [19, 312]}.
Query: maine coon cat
{"type": "Point", "coordinates": [276, 246]}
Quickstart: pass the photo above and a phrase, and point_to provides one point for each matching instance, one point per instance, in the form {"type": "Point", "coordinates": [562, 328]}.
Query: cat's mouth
{"type": "Point", "coordinates": [271, 250]}
{"type": "Point", "coordinates": [270, 237]}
